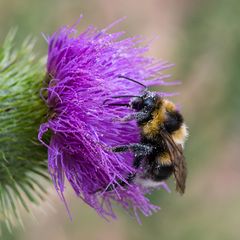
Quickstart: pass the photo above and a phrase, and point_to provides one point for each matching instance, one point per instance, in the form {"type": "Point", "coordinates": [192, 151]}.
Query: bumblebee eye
{"type": "Point", "coordinates": [149, 102]}
{"type": "Point", "coordinates": [137, 103]}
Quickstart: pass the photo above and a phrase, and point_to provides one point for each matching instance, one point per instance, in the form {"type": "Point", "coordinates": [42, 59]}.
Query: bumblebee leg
{"type": "Point", "coordinates": [142, 116]}
{"type": "Point", "coordinates": [139, 117]}
{"type": "Point", "coordinates": [122, 183]}
{"type": "Point", "coordinates": [137, 161]}
{"type": "Point", "coordinates": [139, 149]}
{"type": "Point", "coordinates": [122, 148]}
{"type": "Point", "coordinates": [125, 119]}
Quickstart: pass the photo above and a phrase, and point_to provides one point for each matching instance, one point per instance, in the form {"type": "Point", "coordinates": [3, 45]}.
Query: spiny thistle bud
{"type": "Point", "coordinates": [22, 158]}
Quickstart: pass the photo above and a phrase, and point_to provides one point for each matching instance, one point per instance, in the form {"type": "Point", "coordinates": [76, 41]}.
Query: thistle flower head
{"type": "Point", "coordinates": [82, 72]}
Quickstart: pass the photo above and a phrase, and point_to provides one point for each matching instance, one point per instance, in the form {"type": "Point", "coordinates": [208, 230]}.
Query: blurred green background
{"type": "Point", "coordinates": [203, 39]}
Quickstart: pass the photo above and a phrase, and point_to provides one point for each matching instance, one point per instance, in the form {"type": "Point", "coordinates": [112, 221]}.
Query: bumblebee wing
{"type": "Point", "coordinates": [180, 172]}
{"type": "Point", "coordinates": [178, 161]}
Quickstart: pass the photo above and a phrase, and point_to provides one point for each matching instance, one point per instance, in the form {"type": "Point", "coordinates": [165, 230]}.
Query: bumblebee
{"type": "Point", "coordinates": [159, 154]}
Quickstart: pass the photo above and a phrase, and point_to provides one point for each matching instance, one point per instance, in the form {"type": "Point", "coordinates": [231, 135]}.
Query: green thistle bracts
{"type": "Point", "coordinates": [22, 158]}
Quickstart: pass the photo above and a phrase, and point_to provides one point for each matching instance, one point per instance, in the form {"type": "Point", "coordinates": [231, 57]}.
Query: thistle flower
{"type": "Point", "coordinates": [82, 72]}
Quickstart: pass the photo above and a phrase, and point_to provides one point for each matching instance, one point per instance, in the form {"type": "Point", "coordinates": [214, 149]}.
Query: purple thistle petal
{"type": "Point", "coordinates": [84, 72]}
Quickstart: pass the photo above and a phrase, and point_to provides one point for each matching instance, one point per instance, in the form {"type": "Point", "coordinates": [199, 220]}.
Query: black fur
{"type": "Point", "coordinates": [173, 122]}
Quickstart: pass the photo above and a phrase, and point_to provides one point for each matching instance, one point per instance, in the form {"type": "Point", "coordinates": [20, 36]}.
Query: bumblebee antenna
{"type": "Point", "coordinates": [124, 96]}
{"type": "Point", "coordinates": [121, 96]}
{"type": "Point", "coordinates": [119, 104]}
{"type": "Point", "coordinates": [132, 80]}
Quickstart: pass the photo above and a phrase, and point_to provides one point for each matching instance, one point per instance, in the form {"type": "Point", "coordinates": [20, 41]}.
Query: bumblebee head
{"type": "Point", "coordinates": [146, 101]}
